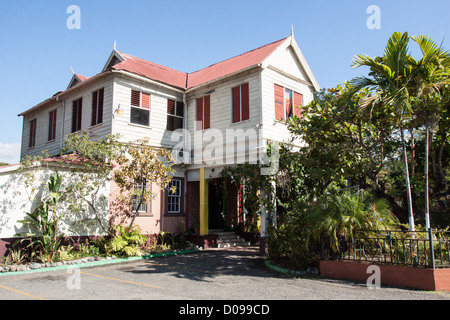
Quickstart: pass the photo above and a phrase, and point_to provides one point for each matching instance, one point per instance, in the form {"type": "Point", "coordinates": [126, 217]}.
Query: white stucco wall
{"type": "Point", "coordinates": [16, 199]}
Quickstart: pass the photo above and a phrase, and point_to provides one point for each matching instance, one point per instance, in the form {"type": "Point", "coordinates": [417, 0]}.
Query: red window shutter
{"type": "Point", "coordinates": [170, 111]}
{"type": "Point", "coordinates": [77, 107]}
{"type": "Point", "coordinates": [52, 125]}
{"type": "Point", "coordinates": [279, 102]}
{"type": "Point", "coordinates": [135, 98]}
{"type": "Point", "coordinates": [94, 108]}
{"type": "Point", "coordinates": [245, 98]}
{"type": "Point", "coordinates": [200, 114]}
{"type": "Point", "coordinates": [171, 107]}
{"type": "Point", "coordinates": [298, 104]}
{"type": "Point", "coordinates": [80, 110]}
{"type": "Point", "coordinates": [101, 96]}
{"type": "Point", "coordinates": [145, 100]}
{"type": "Point", "coordinates": [180, 109]}
{"type": "Point", "coordinates": [207, 112]}
{"type": "Point", "coordinates": [32, 138]}
{"type": "Point", "coordinates": [236, 104]}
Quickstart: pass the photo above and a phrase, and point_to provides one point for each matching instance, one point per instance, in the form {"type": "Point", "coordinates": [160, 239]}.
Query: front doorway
{"type": "Point", "coordinates": [217, 212]}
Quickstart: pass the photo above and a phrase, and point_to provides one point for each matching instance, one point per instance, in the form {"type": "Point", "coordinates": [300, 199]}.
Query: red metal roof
{"type": "Point", "coordinates": [186, 81]}
{"type": "Point", "coordinates": [152, 70]}
{"type": "Point", "coordinates": [82, 78]}
{"type": "Point", "coordinates": [227, 67]}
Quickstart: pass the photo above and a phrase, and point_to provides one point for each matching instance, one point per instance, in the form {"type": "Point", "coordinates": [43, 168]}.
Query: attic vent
{"type": "Point", "coordinates": [73, 83]}
{"type": "Point", "coordinates": [113, 62]}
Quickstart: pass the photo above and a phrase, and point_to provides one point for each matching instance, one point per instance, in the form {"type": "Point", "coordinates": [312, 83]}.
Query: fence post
{"type": "Point", "coordinates": [430, 239]}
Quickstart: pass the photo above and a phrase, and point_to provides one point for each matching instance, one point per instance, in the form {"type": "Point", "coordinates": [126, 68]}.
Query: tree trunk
{"type": "Point", "coordinates": [407, 183]}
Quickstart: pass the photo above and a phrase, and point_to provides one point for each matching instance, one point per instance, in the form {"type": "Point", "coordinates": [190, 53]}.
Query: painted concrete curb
{"type": "Point", "coordinates": [100, 263]}
{"type": "Point", "coordinates": [285, 271]}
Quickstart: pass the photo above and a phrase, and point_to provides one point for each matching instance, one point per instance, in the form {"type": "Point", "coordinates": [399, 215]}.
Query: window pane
{"type": "Point", "coordinates": [288, 102]}
{"type": "Point", "coordinates": [140, 116]}
{"type": "Point", "coordinates": [174, 123]}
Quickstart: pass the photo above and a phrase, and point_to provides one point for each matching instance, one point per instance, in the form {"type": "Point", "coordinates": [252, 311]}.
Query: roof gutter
{"type": "Point", "coordinates": [144, 79]}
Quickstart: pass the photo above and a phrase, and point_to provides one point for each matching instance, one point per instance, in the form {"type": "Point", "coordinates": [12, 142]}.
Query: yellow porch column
{"type": "Point", "coordinates": [203, 203]}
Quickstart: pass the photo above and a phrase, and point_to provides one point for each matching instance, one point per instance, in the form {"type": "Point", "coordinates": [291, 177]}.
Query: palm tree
{"type": "Point", "coordinates": [391, 77]}
{"type": "Point", "coordinates": [338, 215]}
{"type": "Point", "coordinates": [433, 75]}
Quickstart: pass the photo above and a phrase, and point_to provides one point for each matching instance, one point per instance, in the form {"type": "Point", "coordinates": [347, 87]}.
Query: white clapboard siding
{"type": "Point", "coordinates": [99, 130]}
{"type": "Point", "coordinates": [42, 124]}
{"type": "Point", "coordinates": [64, 119]}
{"type": "Point", "coordinates": [156, 131]}
{"type": "Point", "coordinates": [221, 119]}
{"type": "Point", "coordinates": [271, 129]}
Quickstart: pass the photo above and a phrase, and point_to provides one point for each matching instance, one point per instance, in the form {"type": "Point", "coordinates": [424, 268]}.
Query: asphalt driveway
{"type": "Point", "coordinates": [235, 274]}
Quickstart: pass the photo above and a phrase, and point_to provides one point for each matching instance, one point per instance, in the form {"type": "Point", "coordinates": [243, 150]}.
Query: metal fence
{"type": "Point", "coordinates": [428, 249]}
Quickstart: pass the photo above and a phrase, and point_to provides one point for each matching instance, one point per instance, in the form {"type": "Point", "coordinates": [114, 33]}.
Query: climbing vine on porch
{"type": "Point", "coordinates": [248, 178]}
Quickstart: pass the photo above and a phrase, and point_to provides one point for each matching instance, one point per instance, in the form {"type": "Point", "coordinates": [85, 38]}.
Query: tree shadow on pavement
{"type": "Point", "coordinates": [208, 264]}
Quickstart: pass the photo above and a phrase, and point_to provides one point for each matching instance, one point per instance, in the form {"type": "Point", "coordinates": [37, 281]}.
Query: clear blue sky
{"type": "Point", "coordinates": [37, 49]}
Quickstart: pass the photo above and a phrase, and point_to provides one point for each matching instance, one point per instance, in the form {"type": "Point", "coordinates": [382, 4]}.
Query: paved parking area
{"type": "Point", "coordinates": [219, 274]}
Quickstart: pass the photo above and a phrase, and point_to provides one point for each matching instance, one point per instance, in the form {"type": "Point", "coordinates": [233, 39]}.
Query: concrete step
{"type": "Point", "coordinates": [228, 239]}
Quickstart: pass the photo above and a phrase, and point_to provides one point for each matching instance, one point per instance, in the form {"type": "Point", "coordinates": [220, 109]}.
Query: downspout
{"type": "Point", "coordinates": [260, 126]}
{"type": "Point", "coordinates": [185, 128]}
{"type": "Point", "coordinates": [186, 199]}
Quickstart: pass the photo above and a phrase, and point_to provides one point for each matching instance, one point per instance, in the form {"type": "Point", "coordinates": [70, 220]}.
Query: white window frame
{"type": "Point", "coordinates": [174, 199]}
{"type": "Point", "coordinates": [136, 198]}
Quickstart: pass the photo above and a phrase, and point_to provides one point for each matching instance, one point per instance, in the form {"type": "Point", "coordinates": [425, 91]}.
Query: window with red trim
{"type": "Point", "coordinates": [140, 108]}
{"type": "Point", "coordinates": [175, 115]}
{"type": "Point", "coordinates": [287, 103]}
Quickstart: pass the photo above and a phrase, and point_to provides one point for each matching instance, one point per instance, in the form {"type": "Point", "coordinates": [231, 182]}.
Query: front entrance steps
{"type": "Point", "coordinates": [228, 239]}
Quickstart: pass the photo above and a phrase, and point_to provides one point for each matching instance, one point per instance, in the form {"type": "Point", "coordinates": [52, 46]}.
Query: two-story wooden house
{"type": "Point", "coordinates": [218, 116]}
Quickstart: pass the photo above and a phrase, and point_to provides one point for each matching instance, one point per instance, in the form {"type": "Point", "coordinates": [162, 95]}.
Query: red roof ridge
{"type": "Point", "coordinates": [151, 70]}
{"type": "Point", "coordinates": [189, 80]}
{"type": "Point", "coordinates": [242, 54]}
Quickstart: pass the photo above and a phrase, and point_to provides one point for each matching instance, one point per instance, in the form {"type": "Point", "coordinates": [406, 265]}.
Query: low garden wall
{"type": "Point", "coordinates": [398, 276]}
{"type": "Point", "coordinates": [17, 199]}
